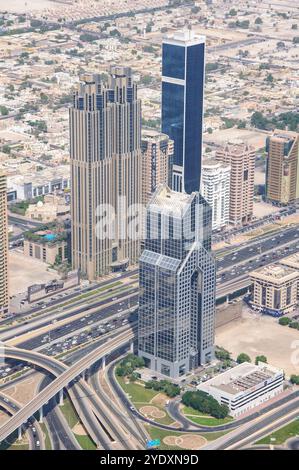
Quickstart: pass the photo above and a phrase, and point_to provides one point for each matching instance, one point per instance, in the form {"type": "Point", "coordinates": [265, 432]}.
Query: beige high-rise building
{"type": "Point", "coordinates": [105, 140]}
{"type": "Point", "coordinates": [282, 176]}
{"type": "Point", "coordinates": [4, 300]}
{"type": "Point", "coordinates": [157, 156]}
{"type": "Point", "coordinates": [241, 158]}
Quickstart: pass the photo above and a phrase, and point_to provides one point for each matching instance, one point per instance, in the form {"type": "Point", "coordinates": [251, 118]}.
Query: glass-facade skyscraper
{"type": "Point", "coordinates": [177, 284]}
{"type": "Point", "coordinates": [183, 76]}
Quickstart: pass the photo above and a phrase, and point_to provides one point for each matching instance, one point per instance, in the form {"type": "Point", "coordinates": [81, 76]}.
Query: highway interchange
{"type": "Point", "coordinates": [73, 326]}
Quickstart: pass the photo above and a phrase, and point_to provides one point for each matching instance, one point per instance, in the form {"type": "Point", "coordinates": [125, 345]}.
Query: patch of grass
{"type": "Point", "coordinates": [138, 393]}
{"type": "Point", "coordinates": [187, 410]}
{"type": "Point", "coordinates": [282, 434]}
{"type": "Point", "coordinates": [156, 433]}
{"type": "Point", "coordinates": [165, 420]}
{"type": "Point", "coordinates": [69, 413]}
{"type": "Point", "coordinates": [12, 443]}
{"type": "Point", "coordinates": [209, 420]}
{"type": "Point", "coordinates": [203, 419]}
{"type": "Point", "coordinates": [85, 442]}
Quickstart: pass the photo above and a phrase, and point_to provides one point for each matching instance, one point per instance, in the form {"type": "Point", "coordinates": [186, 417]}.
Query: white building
{"type": "Point", "coordinates": [245, 386]}
{"type": "Point", "coordinates": [215, 188]}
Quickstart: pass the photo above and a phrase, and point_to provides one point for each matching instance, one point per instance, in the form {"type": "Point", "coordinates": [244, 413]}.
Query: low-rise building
{"type": "Point", "coordinates": [215, 187]}
{"type": "Point", "coordinates": [44, 182]}
{"type": "Point", "coordinates": [48, 210]}
{"type": "Point", "coordinates": [275, 289]}
{"type": "Point", "coordinates": [245, 386]}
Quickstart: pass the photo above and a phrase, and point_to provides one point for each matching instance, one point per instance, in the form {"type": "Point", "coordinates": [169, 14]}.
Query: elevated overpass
{"type": "Point", "coordinates": [111, 436]}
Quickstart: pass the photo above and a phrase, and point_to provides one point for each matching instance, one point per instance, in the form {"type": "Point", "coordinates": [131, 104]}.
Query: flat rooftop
{"type": "Point", "coordinates": [184, 38]}
{"type": "Point", "coordinates": [275, 272]}
{"type": "Point", "coordinates": [291, 261]}
{"type": "Point", "coordinates": [168, 201]}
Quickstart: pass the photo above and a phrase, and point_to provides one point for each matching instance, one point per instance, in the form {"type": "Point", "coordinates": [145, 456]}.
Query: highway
{"type": "Point", "coordinates": [125, 417]}
{"type": "Point", "coordinates": [249, 432]}
{"type": "Point", "coordinates": [73, 319]}
{"type": "Point", "coordinates": [61, 436]}
{"type": "Point", "coordinates": [63, 380]}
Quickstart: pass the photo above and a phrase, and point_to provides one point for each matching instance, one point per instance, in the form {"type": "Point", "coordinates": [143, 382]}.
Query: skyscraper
{"type": "Point", "coordinates": [241, 158]}
{"type": "Point", "coordinates": [105, 141]}
{"type": "Point", "coordinates": [183, 76]}
{"type": "Point", "coordinates": [177, 284]}
{"type": "Point", "coordinates": [3, 246]}
{"type": "Point", "coordinates": [282, 187]}
{"type": "Point", "coordinates": [215, 188]}
{"type": "Point", "coordinates": [157, 156]}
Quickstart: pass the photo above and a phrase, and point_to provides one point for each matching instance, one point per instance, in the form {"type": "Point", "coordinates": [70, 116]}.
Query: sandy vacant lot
{"type": "Point", "coordinates": [260, 209]}
{"type": "Point", "coordinates": [24, 271]}
{"type": "Point", "coordinates": [255, 138]}
{"type": "Point", "coordinates": [255, 335]}
{"type": "Point", "coordinates": [26, 390]}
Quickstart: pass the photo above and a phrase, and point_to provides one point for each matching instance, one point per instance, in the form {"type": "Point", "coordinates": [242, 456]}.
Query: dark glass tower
{"type": "Point", "coordinates": [183, 75]}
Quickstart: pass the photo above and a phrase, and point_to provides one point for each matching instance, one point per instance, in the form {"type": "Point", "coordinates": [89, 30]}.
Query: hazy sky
{"type": "Point", "coordinates": [20, 6]}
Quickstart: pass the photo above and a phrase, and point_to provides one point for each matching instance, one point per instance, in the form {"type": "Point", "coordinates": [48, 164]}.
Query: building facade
{"type": "Point", "coordinates": [46, 252]}
{"type": "Point", "coordinates": [241, 158]}
{"type": "Point", "coordinates": [245, 386]}
{"type": "Point", "coordinates": [177, 284]}
{"type": "Point", "coordinates": [157, 157]}
{"type": "Point", "coordinates": [282, 167]}
{"type": "Point", "coordinates": [4, 299]}
{"type": "Point", "coordinates": [105, 137]}
{"type": "Point", "coordinates": [275, 289]}
{"type": "Point", "coordinates": [183, 77]}
{"type": "Point", "coordinates": [215, 188]}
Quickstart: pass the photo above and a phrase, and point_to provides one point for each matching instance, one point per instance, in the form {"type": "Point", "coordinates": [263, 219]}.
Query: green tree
{"type": "Point", "coordinates": [284, 321]}
{"type": "Point", "coordinates": [243, 357]}
{"type": "Point", "coordinates": [296, 40]}
{"type": "Point", "coordinates": [222, 354]}
{"type": "Point", "coordinates": [294, 379]}
{"type": "Point", "coordinates": [3, 110]}
{"type": "Point", "coordinates": [258, 20]}
{"type": "Point", "coordinates": [258, 120]}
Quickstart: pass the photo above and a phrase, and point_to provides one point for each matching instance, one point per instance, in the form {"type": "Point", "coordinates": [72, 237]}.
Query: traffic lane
{"type": "Point", "coordinates": [227, 442]}
{"type": "Point", "coordinates": [59, 436]}
{"type": "Point", "coordinates": [33, 435]}
{"type": "Point", "coordinates": [95, 383]}
{"type": "Point", "coordinates": [82, 323]}
{"type": "Point", "coordinates": [50, 319]}
{"type": "Point", "coordinates": [243, 253]}
{"type": "Point", "coordinates": [70, 296]}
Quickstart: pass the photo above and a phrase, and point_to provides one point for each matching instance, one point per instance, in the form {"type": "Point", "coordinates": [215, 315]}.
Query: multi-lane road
{"type": "Point", "coordinates": [93, 319]}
